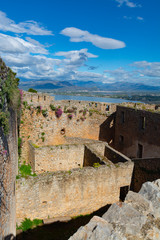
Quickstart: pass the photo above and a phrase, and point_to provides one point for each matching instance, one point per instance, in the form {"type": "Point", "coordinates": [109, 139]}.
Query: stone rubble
{"type": "Point", "coordinates": [138, 218]}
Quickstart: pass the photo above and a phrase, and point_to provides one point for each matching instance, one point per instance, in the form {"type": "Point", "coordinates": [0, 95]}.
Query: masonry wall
{"type": "Point", "coordinates": [144, 170]}
{"type": "Point", "coordinates": [80, 191]}
{"type": "Point", "coordinates": [51, 130]}
{"type": "Point", "coordinates": [56, 158]}
{"type": "Point", "coordinates": [133, 127]}
{"type": "Point", "coordinates": [36, 99]}
{"type": "Point", "coordinates": [90, 157]}
{"type": "Point", "coordinates": [114, 156]}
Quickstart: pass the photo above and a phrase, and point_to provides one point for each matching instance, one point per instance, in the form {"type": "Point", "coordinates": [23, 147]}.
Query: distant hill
{"type": "Point", "coordinates": [87, 85]}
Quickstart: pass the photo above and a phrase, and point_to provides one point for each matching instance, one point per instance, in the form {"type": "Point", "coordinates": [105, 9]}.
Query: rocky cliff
{"type": "Point", "coordinates": [138, 218]}
{"type": "Point", "coordinates": [9, 104]}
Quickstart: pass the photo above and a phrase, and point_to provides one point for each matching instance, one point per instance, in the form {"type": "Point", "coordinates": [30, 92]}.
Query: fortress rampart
{"type": "Point", "coordinates": [73, 192]}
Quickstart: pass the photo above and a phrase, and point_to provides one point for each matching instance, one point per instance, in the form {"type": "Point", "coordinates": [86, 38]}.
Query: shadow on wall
{"type": "Point", "coordinates": [59, 230]}
{"type": "Point", "coordinates": [145, 169]}
{"type": "Point", "coordinates": [10, 237]}
{"type": "Point", "coordinates": [107, 130]}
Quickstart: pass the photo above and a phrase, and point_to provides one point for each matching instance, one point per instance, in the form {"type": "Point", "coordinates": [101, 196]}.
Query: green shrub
{"type": "Point", "coordinates": [28, 224]}
{"type": "Point", "coordinates": [25, 170]}
{"type": "Point", "coordinates": [96, 165]}
{"type": "Point", "coordinates": [45, 113]}
{"type": "Point", "coordinates": [4, 121]}
{"type": "Point", "coordinates": [25, 104]}
{"type": "Point", "coordinates": [19, 146]}
{"type": "Point", "coordinates": [42, 139]}
{"type": "Point", "coordinates": [32, 90]}
{"type": "Point", "coordinates": [35, 146]}
{"type": "Point", "coordinates": [52, 107]}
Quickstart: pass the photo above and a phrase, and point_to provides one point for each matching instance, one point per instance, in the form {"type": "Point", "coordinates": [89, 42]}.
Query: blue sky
{"type": "Point", "coordinates": [99, 40]}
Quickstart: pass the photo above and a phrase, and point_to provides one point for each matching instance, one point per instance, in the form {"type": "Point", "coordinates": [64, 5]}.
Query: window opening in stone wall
{"type": "Point", "coordinates": [121, 139]}
{"type": "Point", "coordinates": [111, 124]}
{"type": "Point", "coordinates": [38, 98]}
{"type": "Point", "coordinates": [140, 151]}
{"type": "Point", "coordinates": [122, 117]}
{"type": "Point", "coordinates": [143, 122]}
{"type": "Point", "coordinates": [63, 131]}
{"type": "Point", "coordinates": [107, 108]}
{"type": "Point", "coordinates": [123, 192]}
{"type": "Point", "coordinates": [44, 98]}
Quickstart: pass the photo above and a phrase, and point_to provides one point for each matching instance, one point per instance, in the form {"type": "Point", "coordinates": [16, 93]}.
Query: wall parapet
{"type": "Point", "coordinates": [71, 193]}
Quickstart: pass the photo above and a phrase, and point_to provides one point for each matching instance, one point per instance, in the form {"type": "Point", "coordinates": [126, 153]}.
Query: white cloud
{"type": "Point", "coordinates": [28, 27]}
{"type": "Point", "coordinates": [76, 58]}
{"type": "Point", "coordinates": [70, 54]}
{"type": "Point", "coordinates": [9, 44]}
{"type": "Point", "coordinates": [144, 72]}
{"type": "Point", "coordinates": [148, 69]}
{"type": "Point", "coordinates": [128, 3]}
{"type": "Point", "coordinates": [140, 18]}
{"type": "Point", "coordinates": [77, 35]}
{"type": "Point", "coordinates": [126, 17]}
{"type": "Point", "coordinates": [130, 18]}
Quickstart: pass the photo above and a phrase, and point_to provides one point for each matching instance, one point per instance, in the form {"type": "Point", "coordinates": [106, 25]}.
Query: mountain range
{"type": "Point", "coordinates": [87, 85]}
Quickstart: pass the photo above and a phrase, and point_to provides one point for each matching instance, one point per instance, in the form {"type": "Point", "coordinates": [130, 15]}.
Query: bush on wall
{"type": "Point", "coordinates": [58, 112]}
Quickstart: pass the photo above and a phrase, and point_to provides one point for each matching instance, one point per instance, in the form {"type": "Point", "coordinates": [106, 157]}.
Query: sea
{"type": "Point", "coordinates": [92, 99]}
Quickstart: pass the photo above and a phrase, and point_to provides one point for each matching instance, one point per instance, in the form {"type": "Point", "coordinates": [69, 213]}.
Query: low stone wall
{"type": "Point", "coordinates": [80, 191]}
{"type": "Point", "coordinates": [91, 157]}
{"type": "Point", "coordinates": [114, 155]}
{"type": "Point", "coordinates": [144, 170]}
{"type": "Point", "coordinates": [56, 158]}
{"type": "Point", "coordinates": [37, 99]}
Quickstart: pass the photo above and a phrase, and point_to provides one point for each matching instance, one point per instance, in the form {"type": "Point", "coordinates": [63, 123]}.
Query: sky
{"type": "Point", "coordinates": [88, 40]}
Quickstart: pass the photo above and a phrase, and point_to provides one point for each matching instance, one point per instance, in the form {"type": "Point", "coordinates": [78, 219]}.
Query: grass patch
{"type": "Point", "coordinates": [25, 170]}
{"type": "Point", "coordinates": [28, 224]}
{"type": "Point", "coordinates": [35, 146]}
{"type": "Point", "coordinates": [96, 165]}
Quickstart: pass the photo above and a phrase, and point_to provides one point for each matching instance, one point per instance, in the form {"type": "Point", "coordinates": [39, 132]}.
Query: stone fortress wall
{"type": "Point", "coordinates": [78, 191]}
{"type": "Point", "coordinates": [50, 130]}
{"type": "Point", "coordinates": [137, 132]}
{"type": "Point", "coordinates": [63, 151]}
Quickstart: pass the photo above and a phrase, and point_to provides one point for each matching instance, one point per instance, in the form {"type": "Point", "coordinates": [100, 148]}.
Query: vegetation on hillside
{"type": "Point", "coordinates": [9, 96]}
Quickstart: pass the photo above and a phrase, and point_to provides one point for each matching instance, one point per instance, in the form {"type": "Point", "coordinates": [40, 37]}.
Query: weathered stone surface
{"type": "Point", "coordinates": [125, 218]}
{"type": "Point", "coordinates": [135, 219]}
{"type": "Point", "coordinates": [79, 191]}
{"type": "Point", "coordinates": [97, 229]}
{"type": "Point", "coordinates": [152, 193]}
{"type": "Point", "coordinates": [139, 202]}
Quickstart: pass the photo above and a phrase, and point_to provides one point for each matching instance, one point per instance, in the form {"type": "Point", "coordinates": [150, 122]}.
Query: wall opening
{"type": "Point", "coordinates": [63, 131]}
{"type": "Point", "coordinates": [142, 122]}
{"type": "Point", "coordinates": [123, 192]}
{"type": "Point", "coordinates": [121, 139]}
{"type": "Point", "coordinates": [107, 108]}
{"type": "Point", "coordinates": [44, 98]}
{"type": "Point", "coordinates": [140, 151]}
{"type": "Point", "coordinates": [122, 117]}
